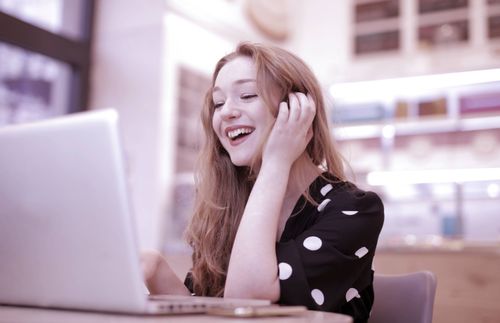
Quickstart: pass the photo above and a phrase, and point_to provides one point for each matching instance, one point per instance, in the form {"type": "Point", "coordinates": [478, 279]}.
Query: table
{"type": "Point", "coordinates": [13, 314]}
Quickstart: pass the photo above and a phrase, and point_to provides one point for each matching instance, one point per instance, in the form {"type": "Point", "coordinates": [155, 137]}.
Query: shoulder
{"type": "Point", "coordinates": [350, 214]}
{"type": "Point", "coordinates": [345, 198]}
{"type": "Point", "coordinates": [351, 195]}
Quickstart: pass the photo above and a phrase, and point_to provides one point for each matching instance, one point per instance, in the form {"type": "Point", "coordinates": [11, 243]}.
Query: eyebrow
{"type": "Point", "coordinates": [237, 82]}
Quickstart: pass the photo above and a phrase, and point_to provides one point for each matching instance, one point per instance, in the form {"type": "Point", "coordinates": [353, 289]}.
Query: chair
{"type": "Point", "coordinates": [407, 298]}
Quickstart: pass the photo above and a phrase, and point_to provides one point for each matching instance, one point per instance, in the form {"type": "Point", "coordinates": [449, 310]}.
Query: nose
{"type": "Point", "coordinates": [229, 111]}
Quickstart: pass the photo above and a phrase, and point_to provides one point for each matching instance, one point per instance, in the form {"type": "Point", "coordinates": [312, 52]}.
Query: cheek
{"type": "Point", "coordinates": [216, 124]}
{"type": "Point", "coordinates": [269, 118]}
{"type": "Point", "coordinates": [275, 99]}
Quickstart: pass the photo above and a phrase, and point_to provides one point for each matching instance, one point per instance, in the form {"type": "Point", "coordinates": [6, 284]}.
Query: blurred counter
{"type": "Point", "coordinates": [468, 275]}
{"type": "Point", "coordinates": [438, 245]}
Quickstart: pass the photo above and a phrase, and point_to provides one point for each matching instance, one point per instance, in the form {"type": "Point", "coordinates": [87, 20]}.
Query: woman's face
{"type": "Point", "coordinates": [241, 119]}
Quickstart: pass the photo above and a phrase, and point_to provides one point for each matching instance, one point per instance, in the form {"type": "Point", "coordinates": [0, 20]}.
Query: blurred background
{"type": "Point", "coordinates": [413, 92]}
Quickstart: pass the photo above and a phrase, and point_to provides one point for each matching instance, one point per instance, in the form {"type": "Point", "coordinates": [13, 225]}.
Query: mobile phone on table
{"type": "Point", "coordinates": [257, 311]}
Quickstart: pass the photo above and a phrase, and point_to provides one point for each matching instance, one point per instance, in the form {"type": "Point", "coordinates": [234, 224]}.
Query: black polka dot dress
{"type": "Point", "coordinates": [325, 252]}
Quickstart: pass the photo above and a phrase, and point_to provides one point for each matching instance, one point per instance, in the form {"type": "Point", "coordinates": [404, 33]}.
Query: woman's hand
{"type": "Point", "coordinates": [292, 130]}
{"type": "Point", "coordinates": [150, 262]}
{"type": "Point", "coordinates": [158, 276]}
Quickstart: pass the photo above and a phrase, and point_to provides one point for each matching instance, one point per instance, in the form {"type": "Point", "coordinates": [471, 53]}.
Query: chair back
{"type": "Point", "coordinates": [406, 298]}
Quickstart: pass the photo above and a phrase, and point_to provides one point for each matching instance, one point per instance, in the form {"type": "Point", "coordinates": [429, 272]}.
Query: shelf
{"type": "Point", "coordinates": [442, 17]}
{"type": "Point", "coordinates": [375, 10]}
{"type": "Point", "coordinates": [431, 6]}
{"type": "Point", "coordinates": [415, 127]}
{"type": "Point", "coordinates": [376, 26]}
{"type": "Point", "coordinates": [433, 176]}
{"type": "Point", "coordinates": [418, 26]}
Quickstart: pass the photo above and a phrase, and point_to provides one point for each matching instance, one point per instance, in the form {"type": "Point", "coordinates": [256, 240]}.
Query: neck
{"type": "Point", "coordinates": [302, 174]}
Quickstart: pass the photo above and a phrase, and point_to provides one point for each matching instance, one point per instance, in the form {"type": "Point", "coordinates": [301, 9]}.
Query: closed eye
{"type": "Point", "coordinates": [248, 96]}
{"type": "Point", "coordinates": [218, 105]}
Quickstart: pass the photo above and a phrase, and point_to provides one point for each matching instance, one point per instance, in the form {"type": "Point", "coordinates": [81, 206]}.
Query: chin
{"type": "Point", "coordinates": [241, 161]}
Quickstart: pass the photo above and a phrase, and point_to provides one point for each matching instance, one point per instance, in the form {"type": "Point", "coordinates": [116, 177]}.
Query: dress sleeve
{"type": "Point", "coordinates": [188, 282]}
{"type": "Point", "coordinates": [329, 264]}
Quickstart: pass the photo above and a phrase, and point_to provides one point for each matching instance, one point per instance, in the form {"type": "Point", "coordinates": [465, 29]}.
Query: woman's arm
{"type": "Point", "coordinates": [159, 277]}
{"type": "Point", "coordinates": [253, 269]}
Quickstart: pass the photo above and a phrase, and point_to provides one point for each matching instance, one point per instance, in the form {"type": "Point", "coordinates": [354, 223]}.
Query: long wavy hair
{"type": "Point", "coordinates": [222, 189]}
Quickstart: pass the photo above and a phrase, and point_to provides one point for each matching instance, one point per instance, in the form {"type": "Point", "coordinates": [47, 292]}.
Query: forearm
{"type": "Point", "coordinates": [253, 271]}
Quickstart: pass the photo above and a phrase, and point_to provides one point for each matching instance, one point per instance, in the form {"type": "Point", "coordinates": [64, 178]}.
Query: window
{"type": "Point", "coordinates": [33, 86]}
{"type": "Point", "coordinates": [376, 26]}
{"type": "Point", "coordinates": [428, 6]}
{"type": "Point", "coordinates": [493, 24]}
{"type": "Point", "coordinates": [377, 10]}
{"type": "Point", "coordinates": [444, 33]}
{"type": "Point", "coordinates": [443, 22]}
{"type": "Point", "coordinates": [45, 58]}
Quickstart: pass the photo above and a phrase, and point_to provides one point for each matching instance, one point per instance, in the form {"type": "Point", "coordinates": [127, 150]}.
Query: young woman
{"type": "Point", "coordinates": [274, 217]}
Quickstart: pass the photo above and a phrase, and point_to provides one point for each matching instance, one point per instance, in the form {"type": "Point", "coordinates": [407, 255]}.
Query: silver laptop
{"type": "Point", "coordinates": [67, 234]}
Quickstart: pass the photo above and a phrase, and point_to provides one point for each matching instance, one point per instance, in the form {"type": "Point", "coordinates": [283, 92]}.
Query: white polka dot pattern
{"type": "Point", "coordinates": [318, 296]}
{"type": "Point", "coordinates": [323, 204]}
{"type": "Point", "coordinates": [361, 252]}
{"type": "Point", "coordinates": [325, 189]}
{"type": "Point", "coordinates": [285, 270]}
{"type": "Point", "coordinates": [349, 212]}
{"type": "Point", "coordinates": [351, 293]}
{"type": "Point", "coordinates": [312, 243]}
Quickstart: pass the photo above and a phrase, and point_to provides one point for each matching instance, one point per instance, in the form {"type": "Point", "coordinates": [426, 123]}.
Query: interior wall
{"type": "Point", "coordinates": [127, 74]}
{"type": "Point", "coordinates": [321, 37]}
{"type": "Point", "coordinates": [195, 49]}
{"type": "Point", "coordinates": [137, 52]}
{"type": "Point", "coordinates": [138, 49]}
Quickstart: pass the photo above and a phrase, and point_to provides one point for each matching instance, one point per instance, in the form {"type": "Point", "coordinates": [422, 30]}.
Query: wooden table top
{"type": "Point", "coordinates": [13, 314]}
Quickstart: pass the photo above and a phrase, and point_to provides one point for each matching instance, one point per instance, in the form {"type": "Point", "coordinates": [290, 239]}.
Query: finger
{"type": "Point", "coordinates": [305, 107]}
{"type": "Point", "coordinates": [294, 106]}
{"type": "Point", "coordinates": [312, 103]}
{"type": "Point", "coordinates": [309, 134]}
{"type": "Point", "coordinates": [283, 113]}
{"type": "Point", "coordinates": [311, 108]}
{"type": "Point", "coordinates": [303, 99]}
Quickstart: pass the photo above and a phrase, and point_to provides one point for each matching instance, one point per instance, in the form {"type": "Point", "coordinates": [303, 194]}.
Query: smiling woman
{"type": "Point", "coordinates": [274, 218]}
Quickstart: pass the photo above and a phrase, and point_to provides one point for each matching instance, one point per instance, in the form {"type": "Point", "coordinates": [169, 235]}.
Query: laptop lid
{"type": "Point", "coordinates": [66, 233]}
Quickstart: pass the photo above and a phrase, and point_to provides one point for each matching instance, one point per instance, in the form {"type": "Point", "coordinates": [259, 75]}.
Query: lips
{"type": "Point", "coordinates": [237, 134]}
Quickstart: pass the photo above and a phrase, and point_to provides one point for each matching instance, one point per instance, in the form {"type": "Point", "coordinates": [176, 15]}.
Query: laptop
{"type": "Point", "coordinates": [67, 233]}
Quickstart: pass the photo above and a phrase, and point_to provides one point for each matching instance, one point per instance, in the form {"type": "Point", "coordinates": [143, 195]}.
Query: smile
{"type": "Point", "coordinates": [234, 134]}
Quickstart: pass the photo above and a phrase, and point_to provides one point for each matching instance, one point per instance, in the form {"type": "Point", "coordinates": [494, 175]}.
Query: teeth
{"type": "Point", "coordinates": [235, 133]}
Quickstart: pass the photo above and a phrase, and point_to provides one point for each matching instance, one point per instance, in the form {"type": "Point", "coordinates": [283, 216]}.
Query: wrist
{"type": "Point", "coordinates": [159, 277]}
{"type": "Point", "coordinates": [275, 166]}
